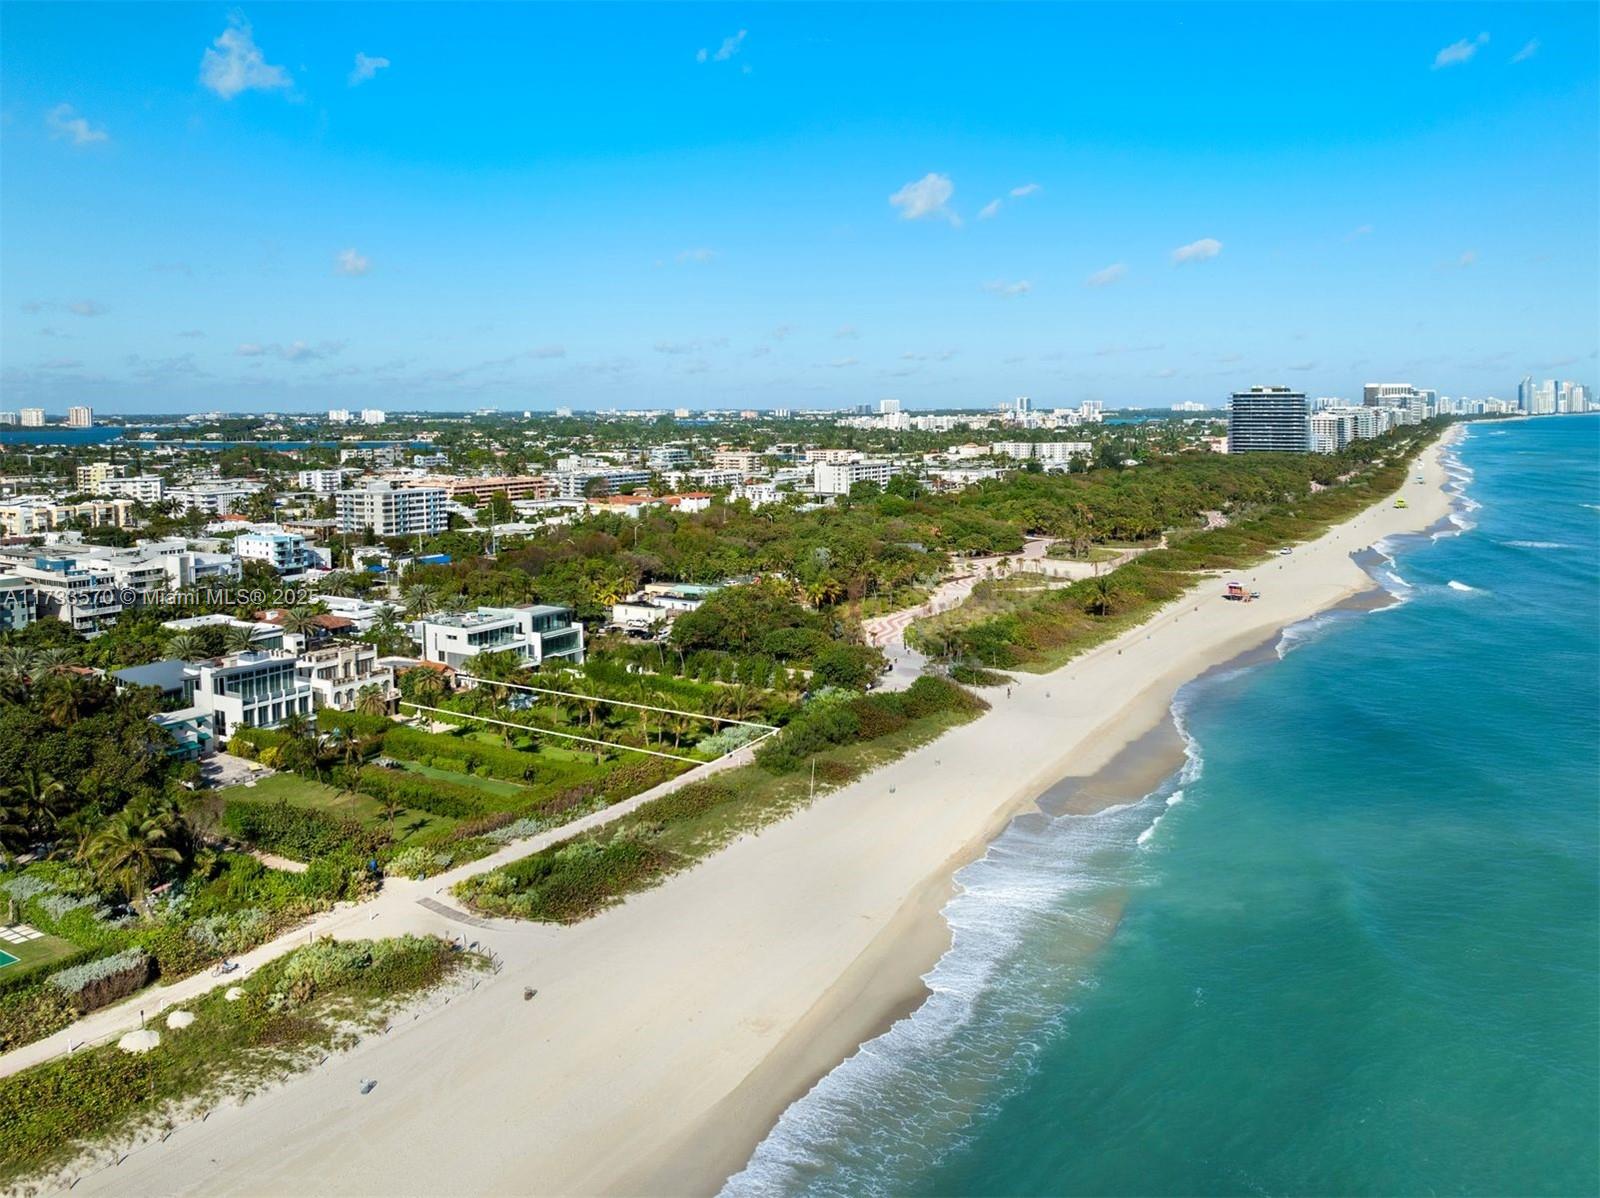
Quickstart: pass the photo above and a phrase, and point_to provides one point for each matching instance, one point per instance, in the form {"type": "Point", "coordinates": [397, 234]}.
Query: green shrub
{"type": "Point", "coordinates": [462, 756]}
{"type": "Point", "coordinates": [31, 1013]}
{"type": "Point", "coordinates": [299, 833]}
{"type": "Point", "coordinates": [569, 881]}
{"type": "Point", "coordinates": [95, 984]}
{"type": "Point", "coordinates": [356, 722]}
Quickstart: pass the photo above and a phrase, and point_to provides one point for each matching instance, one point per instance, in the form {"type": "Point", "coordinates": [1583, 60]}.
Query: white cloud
{"type": "Point", "coordinates": [841, 363]}
{"type": "Point", "coordinates": [847, 332]}
{"type": "Point", "coordinates": [1301, 366]}
{"type": "Point", "coordinates": [295, 351]}
{"type": "Point", "coordinates": [730, 46]}
{"type": "Point", "coordinates": [1468, 258]}
{"type": "Point", "coordinates": [699, 254]}
{"type": "Point", "coordinates": [367, 66]}
{"type": "Point", "coordinates": [1527, 51]}
{"type": "Point", "coordinates": [1027, 189]}
{"type": "Point", "coordinates": [234, 64]}
{"type": "Point", "coordinates": [550, 351]}
{"type": "Point", "coordinates": [350, 262]}
{"type": "Point", "coordinates": [926, 197]}
{"type": "Point", "coordinates": [64, 122]}
{"type": "Point", "coordinates": [1197, 251]}
{"type": "Point", "coordinates": [1001, 287]}
{"type": "Point", "coordinates": [989, 209]}
{"type": "Point", "coordinates": [87, 307]}
{"type": "Point", "coordinates": [1357, 232]}
{"type": "Point", "coordinates": [940, 355]}
{"type": "Point", "coordinates": [1107, 275]}
{"type": "Point", "coordinates": [1166, 372]}
{"type": "Point", "coordinates": [191, 333]}
{"type": "Point", "coordinates": [1459, 52]}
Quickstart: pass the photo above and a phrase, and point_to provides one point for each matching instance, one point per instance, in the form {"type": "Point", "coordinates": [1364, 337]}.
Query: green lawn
{"type": "Point", "coordinates": [412, 827]}
{"type": "Point", "coordinates": [33, 954]}
{"type": "Point", "coordinates": [493, 786]}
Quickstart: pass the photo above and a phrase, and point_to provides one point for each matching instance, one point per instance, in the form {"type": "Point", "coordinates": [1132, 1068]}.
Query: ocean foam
{"type": "Point", "coordinates": [1460, 586]}
{"type": "Point", "coordinates": [1539, 544]}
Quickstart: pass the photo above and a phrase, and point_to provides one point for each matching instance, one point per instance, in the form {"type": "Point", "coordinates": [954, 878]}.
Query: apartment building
{"type": "Point", "coordinates": [1268, 419]}
{"type": "Point", "coordinates": [837, 478]}
{"type": "Point", "coordinates": [19, 604]}
{"type": "Point", "coordinates": [459, 486]}
{"type": "Point", "coordinates": [319, 482]}
{"type": "Point", "coordinates": [30, 515]}
{"type": "Point", "coordinates": [141, 488]}
{"type": "Point", "coordinates": [220, 498]}
{"type": "Point", "coordinates": [285, 552]}
{"type": "Point", "coordinates": [391, 511]}
{"type": "Point", "coordinates": [78, 593]}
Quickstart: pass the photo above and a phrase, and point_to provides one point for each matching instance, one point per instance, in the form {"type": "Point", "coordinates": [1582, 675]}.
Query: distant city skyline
{"type": "Point", "coordinates": [288, 208]}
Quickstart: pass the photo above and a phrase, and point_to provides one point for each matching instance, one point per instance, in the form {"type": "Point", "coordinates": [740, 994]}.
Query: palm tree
{"type": "Point", "coordinates": [16, 662]}
{"type": "Point", "coordinates": [63, 698]}
{"type": "Point", "coordinates": [370, 700]}
{"type": "Point", "coordinates": [129, 849]}
{"type": "Point", "coordinates": [50, 661]}
{"type": "Point", "coordinates": [186, 646]}
{"type": "Point", "coordinates": [237, 638]}
{"type": "Point", "coordinates": [1103, 592]}
{"type": "Point", "coordinates": [385, 629]}
{"type": "Point", "coordinates": [419, 600]}
{"type": "Point", "coordinates": [30, 806]}
{"type": "Point", "coordinates": [298, 620]}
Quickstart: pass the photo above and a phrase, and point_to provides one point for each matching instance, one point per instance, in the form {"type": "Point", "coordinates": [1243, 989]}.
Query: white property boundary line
{"type": "Point", "coordinates": [699, 715]}
{"type": "Point", "coordinates": [588, 740]}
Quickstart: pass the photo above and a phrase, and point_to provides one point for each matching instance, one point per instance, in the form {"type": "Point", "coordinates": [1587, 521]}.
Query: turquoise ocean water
{"type": "Point", "coordinates": [1353, 948]}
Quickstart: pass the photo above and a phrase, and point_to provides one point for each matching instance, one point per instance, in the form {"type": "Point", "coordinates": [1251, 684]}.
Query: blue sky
{"type": "Point", "coordinates": [285, 206]}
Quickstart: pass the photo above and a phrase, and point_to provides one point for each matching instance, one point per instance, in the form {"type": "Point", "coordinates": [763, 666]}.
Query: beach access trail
{"type": "Point", "coordinates": [669, 1032]}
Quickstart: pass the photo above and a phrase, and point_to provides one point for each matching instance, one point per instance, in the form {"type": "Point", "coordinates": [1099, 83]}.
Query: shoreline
{"type": "Point", "coordinates": [671, 1032]}
{"type": "Point", "coordinates": [1145, 760]}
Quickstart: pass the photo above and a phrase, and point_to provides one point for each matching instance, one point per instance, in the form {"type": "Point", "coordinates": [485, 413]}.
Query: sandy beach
{"type": "Point", "coordinates": [670, 1032]}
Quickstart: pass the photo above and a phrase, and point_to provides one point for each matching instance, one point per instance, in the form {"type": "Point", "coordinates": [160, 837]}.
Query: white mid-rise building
{"type": "Point", "coordinates": [220, 498]}
{"type": "Point", "coordinates": [837, 478]}
{"type": "Point", "coordinates": [285, 552]}
{"type": "Point", "coordinates": [320, 482]}
{"type": "Point", "coordinates": [141, 488]}
{"type": "Point", "coordinates": [391, 511]}
{"type": "Point", "coordinates": [372, 416]}
{"type": "Point", "coordinates": [79, 416]}
{"type": "Point", "coordinates": [31, 417]}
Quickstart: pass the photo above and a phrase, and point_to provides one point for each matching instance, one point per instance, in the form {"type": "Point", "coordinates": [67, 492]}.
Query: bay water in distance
{"type": "Point", "coordinates": [1353, 948]}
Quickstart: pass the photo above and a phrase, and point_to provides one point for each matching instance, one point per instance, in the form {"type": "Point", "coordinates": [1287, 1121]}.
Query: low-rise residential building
{"type": "Point", "coordinates": [19, 604]}
{"type": "Point", "coordinates": [285, 552]}
{"type": "Point", "coordinates": [75, 592]}
{"type": "Point", "coordinates": [319, 482]}
{"type": "Point", "coordinates": [459, 486]}
{"type": "Point", "coordinates": [339, 673]}
{"type": "Point", "coordinates": [218, 498]}
{"type": "Point", "coordinates": [249, 690]}
{"type": "Point", "coordinates": [141, 488]}
{"type": "Point", "coordinates": [1047, 452]}
{"type": "Point", "coordinates": [30, 515]}
{"type": "Point", "coordinates": [534, 633]}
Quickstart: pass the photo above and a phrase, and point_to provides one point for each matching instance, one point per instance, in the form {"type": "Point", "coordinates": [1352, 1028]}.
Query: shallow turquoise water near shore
{"type": "Point", "coordinates": [1354, 948]}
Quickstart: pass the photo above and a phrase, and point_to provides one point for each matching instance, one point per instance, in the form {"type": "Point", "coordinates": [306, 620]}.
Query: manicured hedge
{"type": "Point", "coordinates": [356, 722]}
{"type": "Point", "coordinates": [463, 756]}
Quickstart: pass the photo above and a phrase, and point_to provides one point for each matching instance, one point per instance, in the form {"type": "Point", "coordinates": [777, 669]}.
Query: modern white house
{"type": "Point", "coordinates": [249, 690]}
{"type": "Point", "coordinates": [534, 632]}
